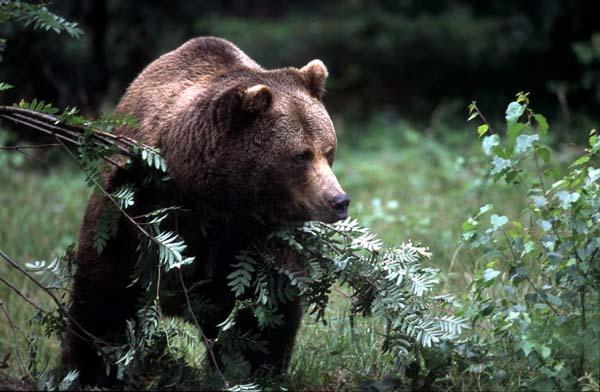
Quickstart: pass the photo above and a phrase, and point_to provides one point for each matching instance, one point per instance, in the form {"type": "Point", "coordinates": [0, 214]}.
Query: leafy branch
{"type": "Point", "coordinates": [38, 16]}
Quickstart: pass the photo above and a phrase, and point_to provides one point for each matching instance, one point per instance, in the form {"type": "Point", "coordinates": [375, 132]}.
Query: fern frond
{"type": "Point", "coordinates": [107, 226]}
{"type": "Point", "coordinates": [170, 249]}
{"type": "Point", "coordinates": [241, 277]}
{"type": "Point", "coordinates": [39, 106]}
{"type": "Point", "coordinates": [39, 16]}
{"type": "Point", "coordinates": [124, 195]}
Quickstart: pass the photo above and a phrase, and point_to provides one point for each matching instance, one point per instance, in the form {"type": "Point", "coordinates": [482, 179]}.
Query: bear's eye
{"type": "Point", "coordinates": [303, 157]}
{"type": "Point", "coordinates": [329, 155]}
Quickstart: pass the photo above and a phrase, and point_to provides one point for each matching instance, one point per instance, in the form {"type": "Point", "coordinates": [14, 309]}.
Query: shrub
{"type": "Point", "coordinates": [533, 302]}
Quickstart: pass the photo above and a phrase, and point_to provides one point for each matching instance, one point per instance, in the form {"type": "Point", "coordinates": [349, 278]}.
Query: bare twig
{"type": "Point", "coordinates": [19, 293]}
{"type": "Point", "coordinates": [207, 341]}
{"type": "Point", "coordinates": [13, 329]}
{"type": "Point", "coordinates": [60, 306]}
{"type": "Point", "coordinates": [20, 149]}
{"type": "Point", "coordinates": [109, 196]}
{"type": "Point", "coordinates": [483, 118]}
{"type": "Point", "coordinates": [28, 147]}
{"type": "Point", "coordinates": [340, 292]}
{"type": "Point", "coordinates": [540, 292]}
{"type": "Point", "coordinates": [453, 260]}
{"type": "Point", "coordinates": [539, 171]}
{"type": "Point", "coordinates": [54, 125]}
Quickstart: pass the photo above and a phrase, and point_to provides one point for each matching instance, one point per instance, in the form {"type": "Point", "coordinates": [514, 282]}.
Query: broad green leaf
{"type": "Point", "coordinates": [544, 351]}
{"type": "Point", "coordinates": [528, 247]}
{"type": "Point", "coordinates": [490, 274]}
{"type": "Point", "coordinates": [513, 112]}
{"type": "Point", "coordinates": [498, 221]}
{"type": "Point", "coordinates": [539, 201]}
{"type": "Point", "coordinates": [543, 152]}
{"type": "Point", "coordinates": [542, 124]}
{"type": "Point", "coordinates": [482, 129]}
{"type": "Point", "coordinates": [485, 209]}
{"type": "Point", "coordinates": [544, 224]}
{"type": "Point", "coordinates": [489, 142]}
{"type": "Point", "coordinates": [527, 347]}
{"type": "Point", "coordinates": [592, 177]}
{"type": "Point", "coordinates": [566, 198]}
{"type": "Point", "coordinates": [519, 273]}
{"type": "Point", "coordinates": [581, 161]}
{"type": "Point", "coordinates": [594, 141]}
{"type": "Point", "coordinates": [514, 129]}
{"type": "Point", "coordinates": [500, 164]}
{"type": "Point", "coordinates": [524, 143]}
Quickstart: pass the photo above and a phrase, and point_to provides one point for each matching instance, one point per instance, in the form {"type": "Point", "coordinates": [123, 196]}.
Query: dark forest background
{"type": "Point", "coordinates": [422, 60]}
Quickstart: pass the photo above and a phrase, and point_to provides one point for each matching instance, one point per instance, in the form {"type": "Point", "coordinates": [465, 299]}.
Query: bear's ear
{"type": "Point", "coordinates": [257, 99]}
{"type": "Point", "coordinates": [237, 106]}
{"type": "Point", "coordinates": [315, 74]}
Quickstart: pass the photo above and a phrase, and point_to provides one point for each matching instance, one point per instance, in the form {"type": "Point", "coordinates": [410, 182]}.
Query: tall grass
{"type": "Point", "coordinates": [41, 207]}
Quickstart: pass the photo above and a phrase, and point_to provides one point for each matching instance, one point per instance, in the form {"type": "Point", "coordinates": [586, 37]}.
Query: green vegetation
{"type": "Point", "coordinates": [510, 215]}
{"type": "Point", "coordinates": [404, 185]}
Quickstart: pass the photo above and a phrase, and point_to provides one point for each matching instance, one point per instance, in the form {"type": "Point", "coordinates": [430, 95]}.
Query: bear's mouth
{"type": "Point", "coordinates": [300, 213]}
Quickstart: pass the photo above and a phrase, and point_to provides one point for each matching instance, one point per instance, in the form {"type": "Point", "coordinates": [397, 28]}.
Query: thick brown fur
{"type": "Point", "coordinates": [245, 141]}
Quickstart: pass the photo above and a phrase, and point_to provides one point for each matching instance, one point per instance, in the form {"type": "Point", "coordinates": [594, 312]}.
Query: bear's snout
{"type": "Point", "coordinates": [340, 204]}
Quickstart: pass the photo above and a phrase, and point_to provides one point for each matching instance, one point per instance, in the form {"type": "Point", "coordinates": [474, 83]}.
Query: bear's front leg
{"type": "Point", "coordinates": [102, 298]}
{"type": "Point", "coordinates": [280, 339]}
{"type": "Point", "coordinates": [97, 317]}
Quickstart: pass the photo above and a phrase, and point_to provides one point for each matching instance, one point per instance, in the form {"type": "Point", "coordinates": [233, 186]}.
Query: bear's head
{"type": "Point", "coordinates": [261, 142]}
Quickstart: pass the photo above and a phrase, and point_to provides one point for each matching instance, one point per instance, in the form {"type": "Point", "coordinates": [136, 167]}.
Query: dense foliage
{"type": "Point", "coordinates": [537, 290]}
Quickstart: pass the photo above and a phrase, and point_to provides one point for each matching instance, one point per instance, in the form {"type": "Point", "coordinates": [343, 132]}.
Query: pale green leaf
{"type": "Point", "coordinates": [524, 143]}
{"type": "Point", "coordinates": [498, 221]}
{"type": "Point", "coordinates": [513, 112]}
{"type": "Point", "coordinates": [489, 142]}
{"type": "Point", "coordinates": [482, 129]}
{"type": "Point", "coordinates": [500, 164]}
{"type": "Point", "coordinates": [566, 198]}
{"type": "Point", "coordinates": [490, 274]}
{"type": "Point", "coordinates": [542, 124]}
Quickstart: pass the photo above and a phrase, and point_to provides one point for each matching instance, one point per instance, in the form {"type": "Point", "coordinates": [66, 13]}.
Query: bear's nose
{"type": "Point", "coordinates": [340, 204]}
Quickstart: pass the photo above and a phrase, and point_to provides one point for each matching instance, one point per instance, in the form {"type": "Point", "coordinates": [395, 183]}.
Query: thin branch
{"type": "Point", "coordinates": [109, 196]}
{"type": "Point", "coordinates": [206, 340]}
{"type": "Point", "coordinates": [340, 292]}
{"type": "Point", "coordinates": [27, 155]}
{"type": "Point", "coordinates": [18, 292]}
{"type": "Point", "coordinates": [21, 148]}
{"type": "Point", "coordinates": [516, 260]}
{"type": "Point", "coordinates": [60, 306]}
{"type": "Point", "coordinates": [539, 171]}
{"type": "Point", "coordinates": [125, 140]}
{"type": "Point", "coordinates": [61, 136]}
{"type": "Point", "coordinates": [54, 125]}
{"type": "Point", "coordinates": [484, 119]}
{"type": "Point", "coordinates": [28, 147]}
{"type": "Point", "coordinates": [13, 329]}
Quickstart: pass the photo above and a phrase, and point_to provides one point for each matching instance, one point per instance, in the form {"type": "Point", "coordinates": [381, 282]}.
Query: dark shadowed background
{"type": "Point", "coordinates": [420, 60]}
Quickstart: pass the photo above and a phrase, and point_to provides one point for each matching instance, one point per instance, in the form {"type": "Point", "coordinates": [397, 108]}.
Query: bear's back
{"type": "Point", "coordinates": [165, 87]}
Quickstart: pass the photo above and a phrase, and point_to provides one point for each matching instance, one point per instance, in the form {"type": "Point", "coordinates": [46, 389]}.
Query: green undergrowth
{"type": "Point", "coordinates": [404, 185]}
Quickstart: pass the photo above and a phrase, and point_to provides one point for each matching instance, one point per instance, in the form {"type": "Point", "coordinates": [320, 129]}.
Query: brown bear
{"type": "Point", "coordinates": [253, 143]}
